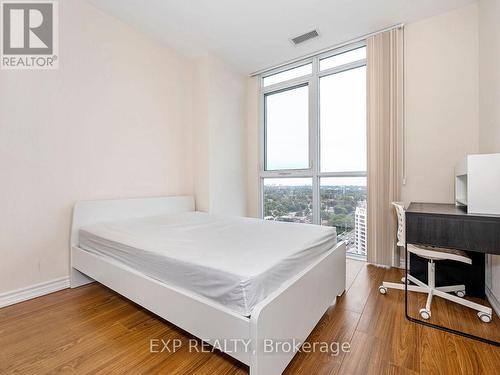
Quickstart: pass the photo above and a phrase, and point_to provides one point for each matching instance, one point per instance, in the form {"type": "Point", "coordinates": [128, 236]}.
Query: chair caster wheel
{"type": "Point", "coordinates": [382, 289]}
{"type": "Point", "coordinates": [460, 293]}
{"type": "Point", "coordinates": [485, 318]}
{"type": "Point", "coordinates": [425, 314]}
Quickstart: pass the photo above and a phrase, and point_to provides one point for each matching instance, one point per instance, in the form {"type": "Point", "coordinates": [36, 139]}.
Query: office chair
{"type": "Point", "coordinates": [433, 254]}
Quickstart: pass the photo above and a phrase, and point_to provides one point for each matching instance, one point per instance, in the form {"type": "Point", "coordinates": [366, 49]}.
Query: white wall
{"type": "Point", "coordinates": [441, 102]}
{"type": "Point", "coordinates": [489, 106]}
{"type": "Point", "coordinates": [252, 136]}
{"type": "Point", "coordinates": [112, 122]}
{"type": "Point", "coordinates": [219, 137]}
{"type": "Point", "coordinates": [201, 145]}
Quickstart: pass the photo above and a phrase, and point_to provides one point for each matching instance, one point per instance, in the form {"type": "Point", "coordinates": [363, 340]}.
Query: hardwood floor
{"type": "Point", "coordinates": [94, 330]}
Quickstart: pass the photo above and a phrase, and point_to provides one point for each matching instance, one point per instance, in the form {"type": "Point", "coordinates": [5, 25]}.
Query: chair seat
{"type": "Point", "coordinates": [439, 253]}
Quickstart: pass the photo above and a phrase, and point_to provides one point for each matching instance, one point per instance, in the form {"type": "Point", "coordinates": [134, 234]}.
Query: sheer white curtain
{"type": "Point", "coordinates": [385, 117]}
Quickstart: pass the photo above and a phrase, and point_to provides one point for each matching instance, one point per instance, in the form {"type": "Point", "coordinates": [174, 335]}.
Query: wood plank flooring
{"type": "Point", "coordinates": [92, 330]}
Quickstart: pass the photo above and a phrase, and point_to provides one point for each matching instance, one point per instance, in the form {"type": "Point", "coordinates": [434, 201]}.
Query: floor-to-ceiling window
{"type": "Point", "coordinates": [313, 164]}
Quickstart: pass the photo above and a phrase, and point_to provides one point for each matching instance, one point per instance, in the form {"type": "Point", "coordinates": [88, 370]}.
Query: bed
{"type": "Point", "coordinates": [220, 278]}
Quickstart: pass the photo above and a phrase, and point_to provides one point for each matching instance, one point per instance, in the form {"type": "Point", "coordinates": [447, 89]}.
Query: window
{"type": "Point", "coordinates": [313, 167]}
{"type": "Point", "coordinates": [343, 121]}
{"type": "Point", "coordinates": [288, 199]}
{"type": "Point", "coordinates": [287, 75]}
{"type": "Point", "coordinates": [343, 58]}
{"type": "Point", "coordinates": [287, 129]}
{"type": "Point", "coordinates": [343, 205]}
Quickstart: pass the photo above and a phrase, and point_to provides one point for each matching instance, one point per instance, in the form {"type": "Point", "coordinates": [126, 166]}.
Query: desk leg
{"type": "Point", "coordinates": [424, 323]}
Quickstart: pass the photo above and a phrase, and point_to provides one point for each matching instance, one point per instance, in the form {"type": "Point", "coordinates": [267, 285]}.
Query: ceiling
{"type": "Point", "coordinates": [254, 34]}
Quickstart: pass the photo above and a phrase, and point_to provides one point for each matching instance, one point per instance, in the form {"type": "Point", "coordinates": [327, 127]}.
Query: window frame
{"type": "Point", "coordinates": [277, 91]}
{"type": "Point", "coordinates": [340, 51]}
{"type": "Point", "coordinates": [312, 81]}
{"type": "Point", "coordinates": [285, 69]}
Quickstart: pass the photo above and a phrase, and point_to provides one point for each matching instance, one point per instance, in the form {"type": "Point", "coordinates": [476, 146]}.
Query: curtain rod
{"type": "Point", "coordinates": [358, 39]}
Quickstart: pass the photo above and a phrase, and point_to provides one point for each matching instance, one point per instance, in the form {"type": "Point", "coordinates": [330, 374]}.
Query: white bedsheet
{"type": "Point", "coordinates": [234, 261]}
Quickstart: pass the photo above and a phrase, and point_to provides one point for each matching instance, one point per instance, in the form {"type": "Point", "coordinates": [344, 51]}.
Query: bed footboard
{"type": "Point", "coordinates": [291, 313]}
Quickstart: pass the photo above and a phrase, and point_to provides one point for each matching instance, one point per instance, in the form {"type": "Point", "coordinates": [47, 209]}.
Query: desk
{"type": "Point", "coordinates": [447, 225]}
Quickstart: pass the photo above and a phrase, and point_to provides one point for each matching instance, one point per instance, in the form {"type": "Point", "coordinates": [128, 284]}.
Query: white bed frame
{"type": "Point", "coordinates": [289, 313]}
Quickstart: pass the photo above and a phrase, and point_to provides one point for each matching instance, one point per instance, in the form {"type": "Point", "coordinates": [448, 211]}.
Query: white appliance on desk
{"type": "Point", "coordinates": [477, 188]}
{"type": "Point", "coordinates": [477, 184]}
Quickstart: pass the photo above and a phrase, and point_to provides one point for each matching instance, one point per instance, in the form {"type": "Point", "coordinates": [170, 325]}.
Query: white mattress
{"type": "Point", "coordinates": [233, 261]}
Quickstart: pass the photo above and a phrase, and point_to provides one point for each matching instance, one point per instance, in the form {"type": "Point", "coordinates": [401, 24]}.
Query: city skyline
{"type": "Point", "coordinates": [342, 206]}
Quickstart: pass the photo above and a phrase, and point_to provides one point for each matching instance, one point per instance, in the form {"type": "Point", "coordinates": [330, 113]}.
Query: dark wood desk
{"type": "Point", "coordinates": [450, 226]}
{"type": "Point", "coordinates": [446, 225]}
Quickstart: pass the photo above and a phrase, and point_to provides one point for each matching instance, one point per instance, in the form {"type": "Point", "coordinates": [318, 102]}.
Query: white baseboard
{"type": "Point", "coordinates": [495, 304]}
{"type": "Point", "coordinates": [33, 291]}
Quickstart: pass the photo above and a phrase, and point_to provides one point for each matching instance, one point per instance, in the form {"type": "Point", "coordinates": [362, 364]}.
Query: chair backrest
{"type": "Point", "coordinates": [400, 209]}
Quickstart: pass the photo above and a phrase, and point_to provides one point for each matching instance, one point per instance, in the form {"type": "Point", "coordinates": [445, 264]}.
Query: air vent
{"type": "Point", "coordinates": [302, 38]}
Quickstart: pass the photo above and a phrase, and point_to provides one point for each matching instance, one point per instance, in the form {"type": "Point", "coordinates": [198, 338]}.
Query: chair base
{"type": "Point", "coordinates": [484, 312]}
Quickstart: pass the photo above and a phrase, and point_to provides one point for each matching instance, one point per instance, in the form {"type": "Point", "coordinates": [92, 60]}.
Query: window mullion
{"type": "Point", "coordinates": [286, 173]}
{"type": "Point", "coordinates": [314, 140]}
{"type": "Point", "coordinates": [342, 68]}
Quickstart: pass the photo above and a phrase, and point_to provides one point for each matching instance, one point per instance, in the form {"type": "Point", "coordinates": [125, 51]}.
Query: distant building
{"type": "Point", "coordinates": [360, 229]}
